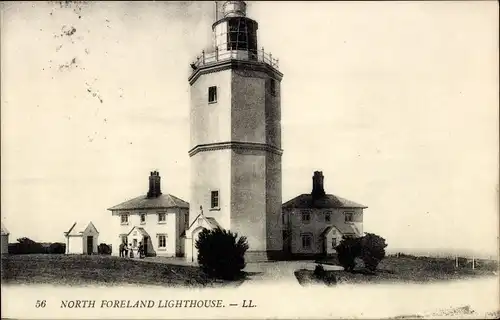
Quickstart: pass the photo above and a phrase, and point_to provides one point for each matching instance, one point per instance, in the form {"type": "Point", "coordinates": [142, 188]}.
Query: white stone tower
{"type": "Point", "coordinates": [235, 150]}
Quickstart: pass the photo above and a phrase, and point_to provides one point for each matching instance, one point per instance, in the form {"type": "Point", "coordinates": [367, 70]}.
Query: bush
{"type": "Point", "coordinates": [26, 246]}
{"type": "Point", "coordinates": [57, 248]}
{"type": "Point", "coordinates": [319, 271]}
{"type": "Point", "coordinates": [220, 253]}
{"type": "Point", "coordinates": [372, 250]}
{"type": "Point", "coordinates": [347, 251]}
{"type": "Point", "coordinates": [103, 249]}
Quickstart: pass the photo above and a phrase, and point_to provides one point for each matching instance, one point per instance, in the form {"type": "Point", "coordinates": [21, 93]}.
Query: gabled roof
{"type": "Point", "coordinates": [143, 202]}
{"type": "Point", "coordinates": [5, 232]}
{"type": "Point", "coordinates": [211, 222]}
{"type": "Point", "coordinates": [306, 201]}
{"type": "Point", "coordinates": [140, 229]}
{"type": "Point", "coordinates": [78, 228]}
{"type": "Point", "coordinates": [345, 229]}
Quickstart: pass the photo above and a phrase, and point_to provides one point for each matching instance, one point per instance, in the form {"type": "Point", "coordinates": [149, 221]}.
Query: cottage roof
{"type": "Point", "coordinates": [143, 202]}
{"type": "Point", "coordinates": [306, 201]}
{"type": "Point", "coordinates": [4, 230]}
{"type": "Point", "coordinates": [77, 228]}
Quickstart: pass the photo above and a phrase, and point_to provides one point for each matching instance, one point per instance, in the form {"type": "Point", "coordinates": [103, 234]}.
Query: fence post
{"type": "Point", "coordinates": [216, 53]}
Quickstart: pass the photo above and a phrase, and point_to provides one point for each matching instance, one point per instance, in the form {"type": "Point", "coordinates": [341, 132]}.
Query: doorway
{"type": "Point", "coordinates": [145, 241]}
{"type": "Point", "coordinates": [90, 244]}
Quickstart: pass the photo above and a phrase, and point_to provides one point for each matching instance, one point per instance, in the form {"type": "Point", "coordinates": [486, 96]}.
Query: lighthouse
{"type": "Point", "coordinates": [235, 137]}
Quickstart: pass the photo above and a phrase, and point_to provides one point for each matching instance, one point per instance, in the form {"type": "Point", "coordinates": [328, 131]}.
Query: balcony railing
{"type": "Point", "coordinates": [208, 58]}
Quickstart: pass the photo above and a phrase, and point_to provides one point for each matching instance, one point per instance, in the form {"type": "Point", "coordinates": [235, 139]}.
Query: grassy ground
{"type": "Point", "coordinates": [406, 269]}
{"type": "Point", "coordinates": [100, 270]}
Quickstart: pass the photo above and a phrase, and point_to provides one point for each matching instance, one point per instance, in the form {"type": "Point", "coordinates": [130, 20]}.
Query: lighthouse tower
{"type": "Point", "coordinates": [235, 145]}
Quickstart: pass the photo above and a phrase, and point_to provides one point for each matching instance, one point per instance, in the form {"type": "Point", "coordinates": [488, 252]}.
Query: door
{"type": "Point", "coordinates": [145, 245]}
{"type": "Point", "coordinates": [90, 244]}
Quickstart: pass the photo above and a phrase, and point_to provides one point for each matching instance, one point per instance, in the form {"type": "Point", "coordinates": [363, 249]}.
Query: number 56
{"type": "Point", "coordinates": [40, 304]}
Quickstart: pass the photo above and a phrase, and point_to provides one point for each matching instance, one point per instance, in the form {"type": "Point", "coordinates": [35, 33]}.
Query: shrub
{"type": "Point", "coordinates": [103, 249]}
{"type": "Point", "coordinates": [319, 271]}
{"type": "Point", "coordinates": [347, 251]}
{"type": "Point", "coordinates": [57, 248]}
{"type": "Point", "coordinates": [25, 245]}
{"type": "Point", "coordinates": [220, 253]}
{"type": "Point", "coordinates": [372, 250]}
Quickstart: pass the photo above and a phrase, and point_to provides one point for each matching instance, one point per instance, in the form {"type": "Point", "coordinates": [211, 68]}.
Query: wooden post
{"type": "Point", "coordinates": [203, 57]}
{"type": "Point", "coordinates": [456, 261]}
{"type": "Point", "coordinates": [216, 53]}
{"type": "Point", "coordinates": [473, 263]}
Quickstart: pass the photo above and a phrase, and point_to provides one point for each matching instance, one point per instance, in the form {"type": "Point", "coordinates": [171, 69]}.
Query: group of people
{"type": "Point", "coordinates": [128, 250]}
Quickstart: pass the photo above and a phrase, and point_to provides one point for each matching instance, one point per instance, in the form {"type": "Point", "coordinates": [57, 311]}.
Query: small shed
{"type": "Point", "coordinates": [82, 239]}
{"type": "Point", "coordinates": [5, 240]}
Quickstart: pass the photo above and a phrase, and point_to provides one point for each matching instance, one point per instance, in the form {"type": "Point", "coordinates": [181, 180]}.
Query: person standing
{"type": "Point", "coordinates": [125, 248]}
{"type": "Point", "coordinates": [141, 250]}
{"type": "Point", "coordinates": [131, 250]}
{"type": "Point", "coordinates": [122, 249]}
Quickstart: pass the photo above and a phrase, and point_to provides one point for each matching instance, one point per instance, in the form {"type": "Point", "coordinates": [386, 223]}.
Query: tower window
{"type": "Point", "coordinates": [143, 218]}
{"type": "Point", "coordinates": [212, 94]}
{"type": "Point", "coordinates": [272, 87]}
{"type": "Point", "coordinates": [214, 199]}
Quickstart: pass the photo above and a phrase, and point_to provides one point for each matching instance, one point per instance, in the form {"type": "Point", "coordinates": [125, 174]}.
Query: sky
{"type": "Point", "coordinates": [396, 102]}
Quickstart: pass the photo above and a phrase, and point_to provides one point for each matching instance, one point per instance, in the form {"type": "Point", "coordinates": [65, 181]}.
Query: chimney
{"type": "Point", "coordinates": [318, 190]}
{"type": "Point", "coordinates": [154, 185]}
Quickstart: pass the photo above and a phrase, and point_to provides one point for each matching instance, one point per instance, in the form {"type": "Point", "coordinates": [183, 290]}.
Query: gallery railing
{"type": "Point", "coordinates": [207, 58]}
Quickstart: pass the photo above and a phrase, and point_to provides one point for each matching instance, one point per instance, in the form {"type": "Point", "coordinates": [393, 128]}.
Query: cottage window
{"type": "Point", "coordinates": [306, 241]}
{"type": "Point", "coordinates": [124, 238]}
{"type": "Point", "coordinates": [334, 243]}
{"type": "Point", "coordinates": [348, 216]}
{"type": "Point", "coordinates": [328, 216]}
{"type": "Point", "coordinates": [306, 216]}
{"type": "Point", "coordinates": [124, 219]}
{"type": "Point", "coordinates": [143, 218]}
{"type": "Point", "coordinates": [214, 199]}
{"type": "Point", "coordinates": [134, 243]}
{"type": "Point", "coordinates": [162, 217]}
{"type": "Point", "coordinates": [212, 94]}
{"type": "Point", "coordinates": [162, 241]}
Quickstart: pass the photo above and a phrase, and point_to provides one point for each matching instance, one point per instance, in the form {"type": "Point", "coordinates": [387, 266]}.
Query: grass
{"type": "Point", "coordinates": [406, 269]}
{"type": "Point", "coordinates": [100, 270]}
